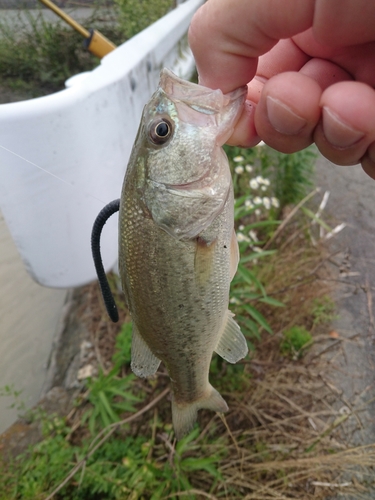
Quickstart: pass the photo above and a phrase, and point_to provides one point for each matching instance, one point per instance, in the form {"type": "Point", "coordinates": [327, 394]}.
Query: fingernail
{"type": "Point", "coordinates": [282, 118]}
{"type": "Point", "coordinates": [338, 132]}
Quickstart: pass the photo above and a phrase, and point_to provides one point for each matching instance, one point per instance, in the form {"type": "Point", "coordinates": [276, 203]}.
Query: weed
{"type": "Point", "coordinates": [38, 56]}
{"type": "Point", "coordinates": [9, 391]}
{"type": "Point", "coordinates": [109, 396]}
{"type": "Point", "coordinates": [323, 310]}
{"type": "Point", "coordinates": [275, 179]}
{"type": "Point", "coordinates": [136, 15]}
{"type": "Point", "coordinates": [122, 355]}
{"type": "Point", "coordinates": [292, 175]}
{"type": "Point", "coordinates": [295, 341]}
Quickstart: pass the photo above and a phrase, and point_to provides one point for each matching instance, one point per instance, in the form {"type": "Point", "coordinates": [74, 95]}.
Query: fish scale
{"type": "Point", "coordinates": [177, 247]}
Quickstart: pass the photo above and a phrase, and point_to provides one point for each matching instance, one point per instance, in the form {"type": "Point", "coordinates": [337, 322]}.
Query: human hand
{"type": "Point", "coordinates": [311, 68]}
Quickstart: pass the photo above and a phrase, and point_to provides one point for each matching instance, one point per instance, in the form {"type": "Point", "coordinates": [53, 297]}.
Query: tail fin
{"type": "Point", "coordinates": [184, 416]}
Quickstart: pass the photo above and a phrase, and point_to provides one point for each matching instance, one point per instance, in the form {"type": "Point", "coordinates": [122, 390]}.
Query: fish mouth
{"type": "Point", "coordinates": [189, 190]}
{"type": "Point", "coordinates": [202, 182]}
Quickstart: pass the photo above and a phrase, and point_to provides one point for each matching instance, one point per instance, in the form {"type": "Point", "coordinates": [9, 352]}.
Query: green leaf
{"type": "Point", "coordinates": [257, 255]}
{"type": "Point", "coordinates": [258, 317]}
{"type": "Point", "coordinates": [243, 294]}
{"type": "Point", "coordinates": [207, 464]}
{"type": "Point", "coordinates": [183, 444]}
{"type": "Point", "coordinates": [250, 278]}
{"type": "Point", "coordinates": [311, 214]}
{"type": "Point", "coordinates": [239, 201]}
{"type": "Point", "coordinates": [107, 406]}
{"type": "Point", "coordinates": [271, 301]}
{"type": "Point", "coordinates": [250, 325]}
{"type": "Point", "coordinates": [263, 223]}
{"type": "Point", "coordinates": [128, 396]}
{"type": "Point", "coordinates": [92, 422]}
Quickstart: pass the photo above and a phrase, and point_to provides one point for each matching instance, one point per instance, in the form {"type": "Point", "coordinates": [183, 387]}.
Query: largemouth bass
{"type": "Point", "coordinates": [178, 250]}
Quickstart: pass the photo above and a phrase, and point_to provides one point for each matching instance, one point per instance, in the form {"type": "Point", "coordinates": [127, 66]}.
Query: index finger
{"type": "Point", "coordinates": [228, 36]}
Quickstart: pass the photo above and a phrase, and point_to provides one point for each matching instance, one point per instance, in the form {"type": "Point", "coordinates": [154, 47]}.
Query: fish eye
{"type": "Point", "coordinates": [160, 131]}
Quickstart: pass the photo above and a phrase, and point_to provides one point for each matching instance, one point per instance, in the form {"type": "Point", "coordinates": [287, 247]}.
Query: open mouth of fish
{"type": "Point", "coordinates": [206, 185]}
{"type": "Point", "coordinates": [195, 189]}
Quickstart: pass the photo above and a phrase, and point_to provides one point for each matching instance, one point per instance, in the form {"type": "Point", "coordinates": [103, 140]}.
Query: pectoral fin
{"type": "Point", "coordinates": [144, 363]}
{"type": "Point", "coordinates": [232, 345]}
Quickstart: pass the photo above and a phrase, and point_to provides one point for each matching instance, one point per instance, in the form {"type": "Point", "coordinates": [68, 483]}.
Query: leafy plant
{"type": "Point", "coordinates": [31, 474]}
{"type": "Point", "coordinates": [295, 341]}
{"type": "Point", "coordinates": [38, 56]}
{"type": "Point", "coordinates": [323, 310]}
{"type": "Point", "coordinates": [136, 15]}
{"type": "Point", "coordinates": [253, 217]}
{"type": "Point", "coordinates": [122, 355]}
{"type": "Point", "coordinates": [275, 179]}
{"type": "Point", "coordinates": [292, 175]}
{"type": "Point", "coordinates": [9, 391]}
{"type": "Point", "coordinates": [123, 467]}
{"type": "Point", "coordinates": [109, 396]}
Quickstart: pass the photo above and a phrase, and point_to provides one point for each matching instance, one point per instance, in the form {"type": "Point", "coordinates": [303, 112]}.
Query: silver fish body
{"type": "Point", "coordinates": [177, 247]}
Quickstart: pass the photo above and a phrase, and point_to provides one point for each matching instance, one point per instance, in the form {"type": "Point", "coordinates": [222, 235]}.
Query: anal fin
{"type": "Point", "coordinates": [144, 363]}
{"type": "Point", "coordinates": [232, 345]}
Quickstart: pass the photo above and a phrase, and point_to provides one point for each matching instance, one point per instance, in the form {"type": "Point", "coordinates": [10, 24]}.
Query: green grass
{"type": "Point", "coordinates": [136, 15]}
{"type": "Point", "coordinates": [324, 310]}
{"type": "Point", "coordinates": [37, 56]}
{"type": "Point", "coordinates": [296, 339]}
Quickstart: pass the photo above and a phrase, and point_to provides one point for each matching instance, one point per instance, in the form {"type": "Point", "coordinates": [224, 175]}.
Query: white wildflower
{"type": "Point", "coordinates": [258, 200]}
{"type": "Point", "coordinates": [267, 203]}
{"type": "Point", "coordinates": [263, 188]}
{"type": "Point", "coordinates": [249, 204]}
{"type": "Point", "coordinates": [234, 300]}
{"type": "Point", "coordinates": [237, 159]}
{"type": "Point", "coordinates": [248, 168]}
{"type": "Point", "coordinates": [254, 184]}
{"type": "Point", "coordinates": [257, 249]}
{"type": "Point", "coordinates": [239, 169]}
{"type": "Point", "coordinates": [258, 212]}
{"type": "Point", "coordinates": [241, 227]}
{"type": "Point", "coordinates": [275, 202]}
{"type": "Point", "coordinates": [262, 180]}
{"type": "Point", "coordinates": [253, 235]}
{"type": "Point", "coordinates": [241, 237]}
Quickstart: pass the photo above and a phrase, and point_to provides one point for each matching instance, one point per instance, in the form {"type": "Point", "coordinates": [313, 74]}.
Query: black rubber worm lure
{"type": "Point", "coordinates": [101, 219]}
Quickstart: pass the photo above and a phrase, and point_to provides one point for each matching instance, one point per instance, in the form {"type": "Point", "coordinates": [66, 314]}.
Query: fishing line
{"type": "Point", "coordinates": [51, 174]}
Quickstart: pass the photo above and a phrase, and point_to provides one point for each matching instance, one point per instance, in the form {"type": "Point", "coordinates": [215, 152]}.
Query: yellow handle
{"type": "Point", "coordinates": [84, 32]}
{"type": "Point", "coordinates": [95, 42]}
{"type": "Point", "coordinates": [98, 44]}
